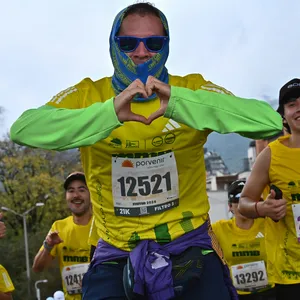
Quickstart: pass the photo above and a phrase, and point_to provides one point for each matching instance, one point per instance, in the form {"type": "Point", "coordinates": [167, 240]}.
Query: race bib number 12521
{"type": "Point", "coordinates": [144, 186]}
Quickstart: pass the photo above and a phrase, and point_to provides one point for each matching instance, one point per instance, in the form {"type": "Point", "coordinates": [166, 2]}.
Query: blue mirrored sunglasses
{"type": "Point", "coordinates": [152, 43]}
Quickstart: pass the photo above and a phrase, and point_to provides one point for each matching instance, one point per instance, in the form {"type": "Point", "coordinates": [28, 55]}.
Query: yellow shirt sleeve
{"type": "Point", "coordinates": [93, 235]}
{"type": "Point", "coordinates": [71, 97]}
{"type": "Point", "coordinates": [6, 284]}
{"type": "Point", "coordinates": [76, 117]}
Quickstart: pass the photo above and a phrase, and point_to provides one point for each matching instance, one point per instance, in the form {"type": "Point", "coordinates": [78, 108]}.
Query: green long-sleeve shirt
{"type": "Point", "coordinates": [54, 128]}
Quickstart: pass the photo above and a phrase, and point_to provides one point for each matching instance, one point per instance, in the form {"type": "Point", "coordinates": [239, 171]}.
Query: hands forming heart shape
{"type": "Point", "coordinates": [122, 102]}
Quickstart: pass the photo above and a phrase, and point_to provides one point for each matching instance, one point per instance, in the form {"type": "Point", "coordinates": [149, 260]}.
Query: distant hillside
{"type": "Point", "coordinates": [232, 147]}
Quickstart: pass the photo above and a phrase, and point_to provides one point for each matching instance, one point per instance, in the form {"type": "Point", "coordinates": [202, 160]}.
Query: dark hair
{"type": "Point", "coordinates": [235, 190]}
{"type": "Point", "coordinates": [142, 9]}
{"type": "Point", "coordinates": [285, 124]}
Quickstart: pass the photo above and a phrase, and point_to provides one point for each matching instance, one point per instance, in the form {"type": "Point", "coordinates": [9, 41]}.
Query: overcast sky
{"type": "Point", "coordinates": [249, 47]}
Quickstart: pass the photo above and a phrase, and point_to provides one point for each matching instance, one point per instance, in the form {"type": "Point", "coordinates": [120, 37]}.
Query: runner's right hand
{"type": "Point", "coordinates": [53, 238]}
{"type": "Point", "coordinates": [122, 102]}
{"type": "Point", "coordinates": [273, 208]}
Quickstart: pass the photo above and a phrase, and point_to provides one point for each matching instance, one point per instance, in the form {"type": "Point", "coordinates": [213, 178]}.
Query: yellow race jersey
{"type": "Point", "coordinates": [282, 239]}
{"type": "Point", "coordinates": [244, 250]}
{"type": "Point", "coordinates": [6, 285]}
{"type": "Point", "coordinates": [146, 182]}
{"type": "Point", "coordinates": [73, 254]}
{"type": "Point", "coordinates": [93, 235]}
{"type": "Point", "coordinates": [165, 164]}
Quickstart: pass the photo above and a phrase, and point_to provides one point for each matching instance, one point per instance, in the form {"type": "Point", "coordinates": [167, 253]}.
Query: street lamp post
{"type": "Point", "coordinates": [25, 237]}
{"type": "Point", "coordinates": [37, 290]}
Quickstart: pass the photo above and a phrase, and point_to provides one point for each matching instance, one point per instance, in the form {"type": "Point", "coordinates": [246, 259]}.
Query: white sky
{"type": "Point", "coordinates": [249, 47]}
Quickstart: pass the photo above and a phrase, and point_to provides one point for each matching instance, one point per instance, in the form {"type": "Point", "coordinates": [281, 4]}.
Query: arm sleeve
{"type": "Point", "coordinates": [204, 110]}
{"type": "Point", "coordinates": [6, 284]}
{"type": "Point", "coordinates": [68, 120]}
{"type": "Point", "coordinates": [55, 128]}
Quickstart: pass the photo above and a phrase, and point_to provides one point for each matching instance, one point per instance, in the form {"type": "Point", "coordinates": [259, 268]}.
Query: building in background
{"type": "Point", "coordinates": [214, 164]}
{"type": "Point", "coordinates": [218, 177]}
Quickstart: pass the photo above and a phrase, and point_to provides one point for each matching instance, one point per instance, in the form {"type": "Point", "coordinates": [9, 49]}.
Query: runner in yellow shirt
{"type": "Point", "coordinates": [141, 133]}
{"type": "Point", "coordinates": [68, 238]}
{"type": "Point", "coordinates": [243, 244]}
{"type": "Point", "coordinates": [278, 167]}
{"type": "Point", "coordinates": [6, 285]}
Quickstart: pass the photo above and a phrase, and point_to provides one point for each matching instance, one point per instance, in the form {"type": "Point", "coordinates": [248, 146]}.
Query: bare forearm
{"type": "Point", "coordinates": [42, 260]}
{"type": "Point", "coordinates": [250, 208]}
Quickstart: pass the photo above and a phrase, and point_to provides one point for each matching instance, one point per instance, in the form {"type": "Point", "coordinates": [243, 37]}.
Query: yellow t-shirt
{"type": "Point", "coordinates": [93, 235]}
{"type": "Point", "coordinates": [73, 254]}
{"type": "Point", "coordinates": [128, 171]}
{"type": "Point", "coordinates": [6, 285]}
{"type": "Point", "coordinates": [283, 247]}
{"type": "Point", "coordinates": [242, 246]}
